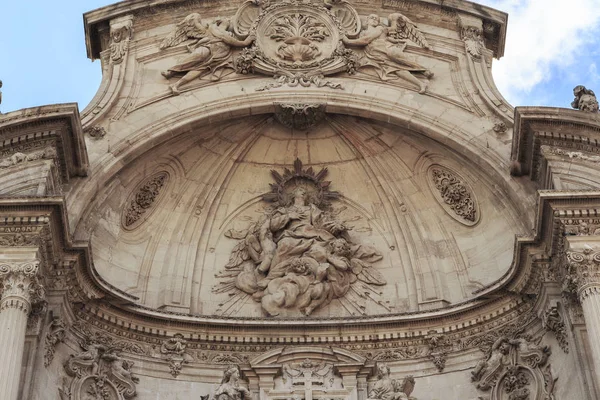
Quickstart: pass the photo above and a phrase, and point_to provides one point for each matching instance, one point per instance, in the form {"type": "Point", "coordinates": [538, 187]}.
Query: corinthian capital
{"type": "Point", "coordinates": [583, 271]}
{"type": "Point", "coordinates": [19, 285]}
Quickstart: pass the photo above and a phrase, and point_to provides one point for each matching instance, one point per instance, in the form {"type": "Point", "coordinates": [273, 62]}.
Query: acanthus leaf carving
{"type": "Point", "coordinates": [455, 196]}
{"type": "Point", "coordinates": [54, 336]}
{"type": "Point", "coordinates": [121, 32]}
{"type": "Point", "coordinates": [143, 199]}
{"type": "Point", "coordinates": [175, 351]}
{"type": "Point", "coordinates": [514, 369]}
{"type": "Point", "coordinates": [299, 116]}
{"type": "Point", "coordinates": [553, 321]}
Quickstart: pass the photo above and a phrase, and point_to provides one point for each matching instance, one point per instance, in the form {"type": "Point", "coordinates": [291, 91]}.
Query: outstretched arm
{"type": "Point", "coordinates": [364, 39]}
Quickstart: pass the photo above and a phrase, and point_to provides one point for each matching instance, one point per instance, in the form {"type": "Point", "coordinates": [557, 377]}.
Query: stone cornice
{"type": "Point", "coordinates": [98, 20]}
{"type": "Point", "coordinates": [57, 126]}
{"type": "Point", "coordinates": [558, 127]}
{"type": "Point", "coordinates": [44, 221]}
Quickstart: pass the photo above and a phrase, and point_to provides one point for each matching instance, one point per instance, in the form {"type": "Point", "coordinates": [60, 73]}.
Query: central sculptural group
{"type": "Point", "coordinates": [300, 256]}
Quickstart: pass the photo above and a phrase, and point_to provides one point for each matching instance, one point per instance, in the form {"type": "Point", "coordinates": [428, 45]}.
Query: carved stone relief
{"type": "Point", "coordinates": [299, 116]}
{"type": "Point", "coordinates": [175, 351]}
{"type": "Point", "coordinates": [454, 195]}
{"type": "Point", "coordinates": [55, 335]}
{"type": "Point", "coordinates": [515, 369]}
{"type": "Point", "coordinates": [585, 99]}
{"type": "Point", "coordinates": [121, 32]}
{"type": "Point", "coordinates": [439, 347]}
{"type": "Point", "coordinates": [553, 321]}
{"type": "Point", "coordinates": [231, 386]}
{"type": "Point", "coordinates": [385, 388]}
{"type": "Point", "coordinates": [96, 132]}
{"type": "Point", "coordinates": [99, 373]}
{"type": "Point", "coordinates": [298, 43]}
{"type": "Point", "coordinates": [300, 256]}
{"type": "Point", "coordinates": [307, 379]}
{"type": "Point", "coordinates": [143, 200]}
{"type": "Point", "coordinates": [48, 153]}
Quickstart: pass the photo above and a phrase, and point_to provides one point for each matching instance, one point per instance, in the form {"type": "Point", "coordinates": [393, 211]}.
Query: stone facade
{"type": "Point", "coordinates": [317, 200]}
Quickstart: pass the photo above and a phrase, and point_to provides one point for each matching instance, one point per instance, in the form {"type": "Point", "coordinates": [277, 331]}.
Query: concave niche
{"type": "Point", "coordinates": [351, 217]}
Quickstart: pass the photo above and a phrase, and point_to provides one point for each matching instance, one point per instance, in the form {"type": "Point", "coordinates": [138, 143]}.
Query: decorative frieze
{"type": "Point", "coordinates": [143, 200]}
{"type": "Point", "coordinates": [454, 195]}
{"type": "Point", "coordinates": [298, 43]}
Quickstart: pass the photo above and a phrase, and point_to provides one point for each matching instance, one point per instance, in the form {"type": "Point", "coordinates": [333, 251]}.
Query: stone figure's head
{"type": "Point", "coordinates": [382, 370]}
{"type": "Point", "coordinates": [300, 266]}
{"type": "Point", "coordinates": [231, 373]}
{"type": "Point", "coordinates": [300, 196]}
{"type": "Point", "coordinates": [339, 247]}
{"type": "Point", "coordinates": [373, 20]}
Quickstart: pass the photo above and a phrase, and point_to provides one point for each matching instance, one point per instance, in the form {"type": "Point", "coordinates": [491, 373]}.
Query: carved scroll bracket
{"type": "Point", "coordinates": [121, 32]}
{"type": "Point", "coordinates": [471, 32]}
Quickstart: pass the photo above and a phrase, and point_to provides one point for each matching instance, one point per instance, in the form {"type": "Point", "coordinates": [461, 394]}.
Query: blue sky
{"type": "Point", "coordinates": [552, 46]}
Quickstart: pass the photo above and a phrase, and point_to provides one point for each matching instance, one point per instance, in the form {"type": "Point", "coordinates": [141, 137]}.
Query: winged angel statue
{"type": "Point", "coordinates": [210, 49]}
{"type": "Point", "coordinates": [384, 48]}
{"type": "Point", "coordinates": [299, 256]}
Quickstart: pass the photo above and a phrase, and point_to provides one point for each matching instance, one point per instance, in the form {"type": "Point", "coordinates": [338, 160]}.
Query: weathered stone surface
{"type": "Point", "coordinates": [318, 200]}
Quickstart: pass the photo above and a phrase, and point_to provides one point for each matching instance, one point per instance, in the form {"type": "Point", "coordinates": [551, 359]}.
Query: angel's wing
{"type": "Point", "coordinates": [186, 29]}
{"type": "Point", "coordinates": [406, 29]}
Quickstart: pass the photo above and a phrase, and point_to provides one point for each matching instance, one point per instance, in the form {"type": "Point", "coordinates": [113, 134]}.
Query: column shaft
{"type": "Point", "coordinates": [590, 302]}
{"type": "Point", "coordinates": [13, 324]}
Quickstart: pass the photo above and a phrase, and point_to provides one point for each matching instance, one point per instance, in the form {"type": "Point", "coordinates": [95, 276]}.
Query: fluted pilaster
{"type": "Point", "coordinates": [19, 289]}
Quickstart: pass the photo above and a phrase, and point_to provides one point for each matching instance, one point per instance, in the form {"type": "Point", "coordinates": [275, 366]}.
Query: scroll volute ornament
{"type": "Point", "coordinates": [142, 201]}
{"type": "Point", "coordinates": [454, 195]}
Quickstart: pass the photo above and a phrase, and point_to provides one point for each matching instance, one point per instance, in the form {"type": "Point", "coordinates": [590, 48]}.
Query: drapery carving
{"type": "Point", "coordinates": [386, 388]}
{"type": "Point", "coordinates": [300, 256]}
{"type": "Point", "coordinates": [297, 42]}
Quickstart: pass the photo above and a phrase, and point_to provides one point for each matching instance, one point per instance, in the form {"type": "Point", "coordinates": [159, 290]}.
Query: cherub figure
{"type": "Point", "coordinates": [210, 50]}
{"type": "Point", "coordinates": [384, 49]}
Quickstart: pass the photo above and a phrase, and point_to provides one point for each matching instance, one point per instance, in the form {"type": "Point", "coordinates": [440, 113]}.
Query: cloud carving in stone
{"type": "Point", "coordinates": [300, 255]}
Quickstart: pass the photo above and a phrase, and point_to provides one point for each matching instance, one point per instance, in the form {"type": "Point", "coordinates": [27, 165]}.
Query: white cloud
{"type": "Point", "coordinates": [543, 35]}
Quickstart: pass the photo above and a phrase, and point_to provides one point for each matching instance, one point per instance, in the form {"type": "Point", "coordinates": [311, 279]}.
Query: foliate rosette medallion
{"type": "Point", "coordinates": [296, 38]}
{"type": "Point", "coordinates": [143, 200]}
{"type": "Point", "coordinates": [454, 195]}
{"type": "Point", "coordinates": [300, 256]}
